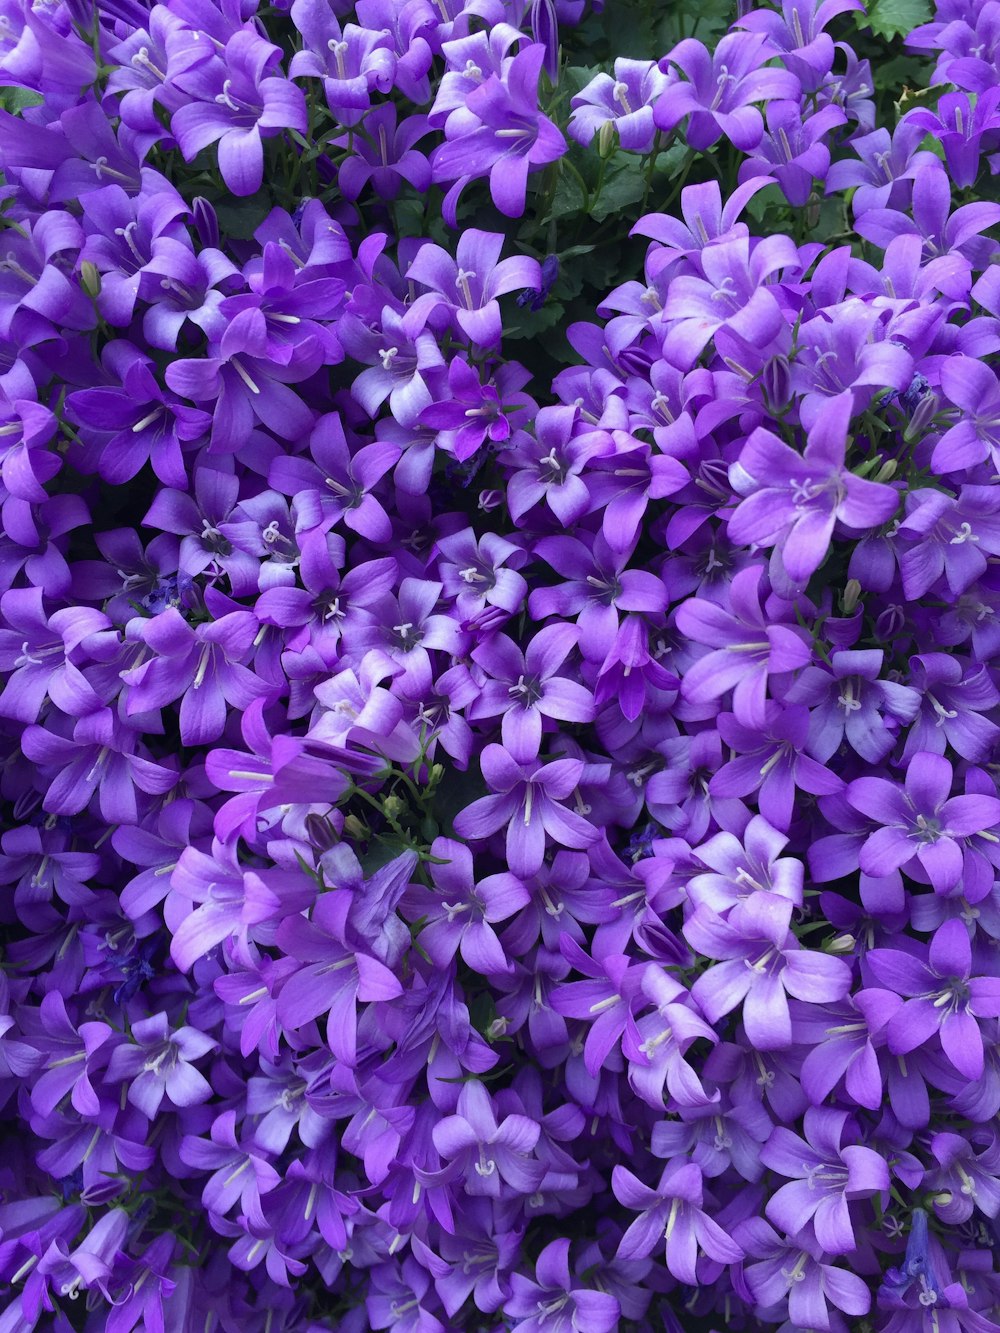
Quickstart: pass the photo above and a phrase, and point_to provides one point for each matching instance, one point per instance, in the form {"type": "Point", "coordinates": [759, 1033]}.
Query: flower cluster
{"type": "Point", "coordinates": [494, 841]}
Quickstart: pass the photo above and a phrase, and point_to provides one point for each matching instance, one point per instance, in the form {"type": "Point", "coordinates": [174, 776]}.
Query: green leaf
{"type": "Point", "coordinates": [896, 18]}
{"type": "Point", "coordinates": [241, 217]}
{"type": "Point", "coordinates": [16, 99]}
{"type": "Point", "coordinates": [618, 191]}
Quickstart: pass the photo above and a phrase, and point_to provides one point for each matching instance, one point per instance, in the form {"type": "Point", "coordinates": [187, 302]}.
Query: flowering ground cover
{"type": "Point", "coordinates": [499, 629]}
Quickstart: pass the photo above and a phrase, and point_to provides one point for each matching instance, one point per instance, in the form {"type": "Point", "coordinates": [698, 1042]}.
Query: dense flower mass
{"type": "Point", "coordinates": [499, 666]}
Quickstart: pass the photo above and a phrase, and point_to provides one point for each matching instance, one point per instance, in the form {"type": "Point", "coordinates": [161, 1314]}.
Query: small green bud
{"type": "Point", "coordinates": [850, 596]}
{"type": "Point", "coordinates": [607, 139]}
{"type": "Point", "coordinates": [90, 279]}
{"type": "Point", "coordinates": [887, 470]}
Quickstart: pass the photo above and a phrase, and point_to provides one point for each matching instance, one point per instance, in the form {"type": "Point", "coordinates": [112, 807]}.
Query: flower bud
{"type": "Point", "coordinates": [496, 1029]}
{"type": "Point", "coordinates": [607, 139]}
{"type": "Point", "coordinates": [849, 597]}
{"type": "Point", "coordinates": [489, 500]}
{"type": "Point", "coordinates": [90, 279]}
{"type": "Point", "coordinates": [812, 210]}
{"type": "Point", "coordinates": [354, 828]}
{"type": "Point", "coordinates": [320, 832]}
{"type": "Point", "coordinates": [887, 471]}
{"type": "Point", "coordinates": [776, 381]}
{"type": "Point", "coordinates": [922, 417]}
{"type": "Point", "coordinates": [206, 223]}
{"type": "Point", "coordinates": [841, 944]}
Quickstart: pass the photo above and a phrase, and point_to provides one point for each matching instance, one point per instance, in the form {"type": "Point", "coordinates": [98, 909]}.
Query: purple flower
{"type": "Point", "coordinates": [486, 1152]}
{"type": "Point", "coordinates": [942, 997]}
{"type": "Point", "coordinates": [796, 500]}
{"type": "Point", "coordinates": [747, 647]}
{"type": "Point", "coordinates": [159, 1064]}
{"type": "Point", "coordinates": [552, 1303]}
{"type": "Point", "coordinates": [674, 1212]}
{"type": "Point", "coordinates": [468, 285]}
{"type": "Point", "coordinates": [921, 821]}
{"type": "Point", "coordinates": [624, 100]}
{"type": "Point", "coordinates": [721, 89]}
{"type": "Point", "coordinates": [528, 804]}
{"type": "Point", "coordinates": [823, 1178]}
{"type": "Point", "coordinates": [501, 133]}
{"type": "Point", "coordinates": [762, 964]}
{"type": "Point", "coordinates": [235, 96]}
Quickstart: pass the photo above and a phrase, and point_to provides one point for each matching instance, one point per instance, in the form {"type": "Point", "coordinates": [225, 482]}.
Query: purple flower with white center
{"type": "Point", "coordinates": [383, 154]}
{"type": "Point", "coordinates": [160, 1063]}
{"type": "Point", "coordinates": [655, 1045]}
{"type": "Point", "coordinates": [471, 414]}
{"type": "Point", "coordinates": [921, 820]}
{"type": "Point", "coordinates": [823, 1178]}
{"type": "Point", "coordinates": [881, 167]}
{"type": "Point", "coordinates": [201, 666]}
{"type": "Point", "coordinates": [526, 688]}
{"type": "Point", "coordinates": [34, 288]}
{"type": "Point", "coordinates": [796, 500]}
{"type": "Point", "coordinates": [239, 1174]}
{"type": "Point", "coordinates": [949, 537]}
{"type": "Point", "coordinates": [553, 1303]}
{"type": "Point", "coordinates": [942, 996]}
{"type": "Point", "coordinates": [673, 1213]}
{"type": "Point", "coordinates": [397, 356]}
{"type": "Point", "coordinates": [604, 1001]}
{"type": "Point", "coordinates": [460, 913]}
{"type": "Point", "coordinates": [549, 465]}
{"type": "Point", "coordinates": [488, 1152]}
{"type": "Point", "coordinates": [336, 484]}
{"type": "Point", "coordinates": [595, 587]}
{"type": "Point", "coordinates": [236, 99]}
{"type": "Point", "coordinates": [333, 975]}
{"type": "Point", "coordinates": [746, 647]}
{"type": "Point", "coordinates": [352, 61]}
{"type": "Point", "coordinates": [851, 702]}
{"type": "Point", "coordinates": [965, 1179]}
{"type": "Point", "coordinates": [794, 151]}
{"type": "Point", "coordinates": [719, 89]}
{"type": "Point", "coordinates": [975, 438]}
{"type": "Point", "coordinates": [246, 383]}
{"type": "Point", "coordinates": [500, 133]}
{"type": "Point", "coordinates": [798, 1271]}
{"type": "Point", "coordinates": [475, 572]}
{"type": "Point", "coordinates": [36, 652]}
{"type": "Point", "coordinates": [103, 759]}
{"type": "Point", "coordinates": [467, 286]}
{"type": "Point", "coordinates": [797, 34]}
{"type": "Point", "coordinates": [762, 964]}
{"type": "Point", "coordinates": [943, 232]}
{"type": "Point", "coordinates": [954, 694]}
{"type": "Point", "coordinates": [528, 802]}
{"type": "Point", "coordinates": [122, 233]}
{"type": "Point", "coordinates": [738, 868]}
{"type": "Point", "coordinates": [624, 100]}
{"type": "Point", "coordinates": [139, 422]}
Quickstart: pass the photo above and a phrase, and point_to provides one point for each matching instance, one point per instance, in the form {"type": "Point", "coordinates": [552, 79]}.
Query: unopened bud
{"type": "Point", "coordinates": [812, 210]}
{"type": "Point", "coordinates": [393, 806]}
{"type": "Point", "coordinates": [922, 417]}
{"type": "Point", "coordinates": [436, 774]}
{"type": "Point", "coordinates": [354, 828]}
{"type": "Point", "coordinates": [90, 279]}
{"type": "Point", "coordinates": [849, 597]}
{"type": "Point", "coordinates": [607, 139]}
{"type": "Point", "coordinates": [320, 832]}
{"type": "Point", "coordinates": [206, 223]}
{"type": "Point", "coordinates": [497, 1029]}
{"type": "Point", "coordinates": [841, 944]}
{"type": "Point", "coordinates": [887, 471]}
{"type": "Point", "coordinates": [490, 500]}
